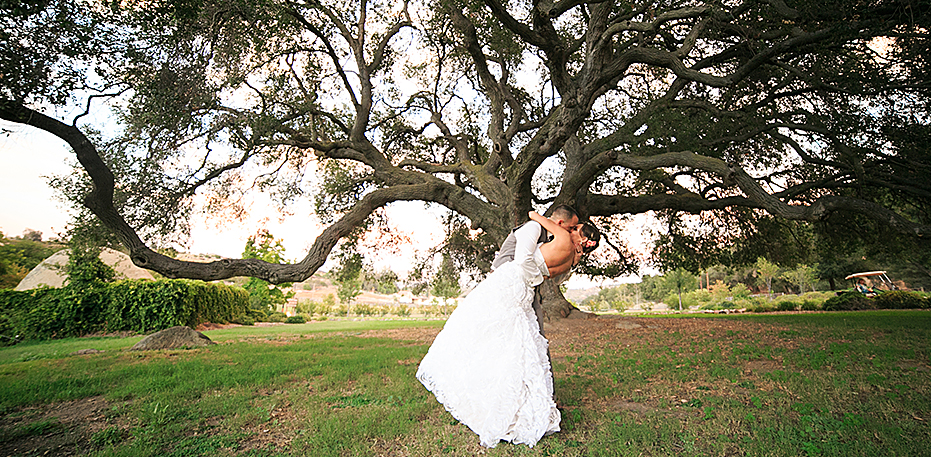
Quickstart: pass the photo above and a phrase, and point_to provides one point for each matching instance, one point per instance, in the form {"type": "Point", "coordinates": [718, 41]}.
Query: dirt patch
{"type": "Point", "coordinates": [681, 339]}
{"type": "Point", "coordinates": [61, 429]}
{"type": "Point", "coordinates": [645, 409]}
{"type": "Point", "coordinates": [211, 326]}
{"type": "Point", "coordinates": [390, 448]}
{"type": "Point", "coordinates": [565, 335]}
{"type": "Point", "coordinates": [275, 433]}
{"type": "Point", "coordinates": [123, 334]}
{"type": "Point", "coordinates": [763, 366]}
{"type": "Point", "coordinates": [912, 365]}
{"type": "Point", "coordinates": [417, 335]}
{"type": "Point", "coordinates": [641, 408]}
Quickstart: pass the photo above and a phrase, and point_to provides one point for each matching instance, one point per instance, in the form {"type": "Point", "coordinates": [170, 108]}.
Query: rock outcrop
{"type": "Point", "coordinates": [173, 338]}
{"type": "Point", "coordinates": [51, 272]}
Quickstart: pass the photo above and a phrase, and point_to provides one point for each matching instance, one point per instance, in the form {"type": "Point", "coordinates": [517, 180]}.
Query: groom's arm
{"type": "Point", "coordinates": [527, 252]}
{"type": "Point", "coordinates": [526, 237]}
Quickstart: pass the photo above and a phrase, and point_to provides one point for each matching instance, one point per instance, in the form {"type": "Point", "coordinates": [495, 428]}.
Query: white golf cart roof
{"type": "Point", "coordinates": [868, 273]}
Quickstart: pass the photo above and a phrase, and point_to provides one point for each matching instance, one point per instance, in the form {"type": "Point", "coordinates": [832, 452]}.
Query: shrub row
{"type": "Point", "coordinates": [130, 305]}
{"type": "Point", "coordinates": [47, 313]}
{"type": "Point", "coordinates": [894, 299]}
{"type": "Point", "coordinates": [310, 308]}
{"type": "Point", "coordinates": [142, 306]}
{"type": "Point", "coordinates": [810, 301]}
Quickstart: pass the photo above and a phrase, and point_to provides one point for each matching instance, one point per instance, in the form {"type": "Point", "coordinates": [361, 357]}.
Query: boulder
{"type": "Point", "coordinates": [51, 272]}
{"type": "Point", "coordinates": [173, 338]}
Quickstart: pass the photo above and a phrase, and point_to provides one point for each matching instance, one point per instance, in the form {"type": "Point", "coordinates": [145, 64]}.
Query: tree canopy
{"type": "Point", "coordinates": [731, 121]}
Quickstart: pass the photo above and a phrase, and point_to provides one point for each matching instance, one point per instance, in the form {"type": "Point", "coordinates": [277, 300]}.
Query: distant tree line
{"type": "Point", "coordinates": [730, 287]}
{"type": "Point", "coordinates": [19, 255]}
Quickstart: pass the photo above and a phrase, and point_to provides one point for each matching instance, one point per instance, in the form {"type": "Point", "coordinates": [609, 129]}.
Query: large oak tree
{"type": "Point", "coordinates": [719, 116]}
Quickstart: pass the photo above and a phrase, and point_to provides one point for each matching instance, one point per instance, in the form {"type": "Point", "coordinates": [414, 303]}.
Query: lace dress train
{"type": "Point", "coordinates": [489, 365]}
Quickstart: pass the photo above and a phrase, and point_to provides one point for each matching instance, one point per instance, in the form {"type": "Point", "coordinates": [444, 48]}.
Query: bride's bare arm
{"type": "Point", "coordinates": [549, 225]}
{"type": "Point", "coordinates": [559, 253]}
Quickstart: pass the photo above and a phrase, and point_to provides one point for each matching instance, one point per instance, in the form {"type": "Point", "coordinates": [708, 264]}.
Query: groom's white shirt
{"type": "Point", "coordinates": [527, 252]}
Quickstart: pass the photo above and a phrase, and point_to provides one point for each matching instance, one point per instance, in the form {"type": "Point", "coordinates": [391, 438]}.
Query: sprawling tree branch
{"type": "Point", "coordinates": [700, 108]}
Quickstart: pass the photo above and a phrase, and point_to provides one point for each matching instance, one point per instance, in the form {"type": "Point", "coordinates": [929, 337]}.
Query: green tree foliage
{"type": "Point", "coordinates": [85, 270]}
{"type": "Point", "coordinates": [446, 280]}
{"type": "Point", "coordinates": [679, 281]}
{"type": "Point", "coordinates": [382, 282]}
{"type": "Point", "coordinates": [617, 298]}
{"type": "Point", "coordinates": [386, 282]}
{"type": "Point", "coordinates": [418, 280]}
{"type": "Point", "coordinates": [348, 276]}
{"type": "Point", "coordinates": [328, 304]}
{"type": "Point", "coordinates": [24, 253]}
{"type": "Point", "coordinates": [802, 277]}
{"type": "Point", "coordinates": [264, 296]}
{"type": "Point", "coordinates": [20, 255]}
{"type": "Point", "coordinates": [10, 275]}
{"type": "Point", "coordinates": [766, 271]}
{"type": "Point", "coordinates": [264, 246]}
{"type": "Point", "coordinates": [744, 126]}
{"type": "Point", "coordinates": [653, 288]}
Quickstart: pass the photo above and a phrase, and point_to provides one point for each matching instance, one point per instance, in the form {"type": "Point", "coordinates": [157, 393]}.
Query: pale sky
{"type": "Point", "coordinates": [30, 156]}
{"type": "Point", "coordinates": [26, 200]}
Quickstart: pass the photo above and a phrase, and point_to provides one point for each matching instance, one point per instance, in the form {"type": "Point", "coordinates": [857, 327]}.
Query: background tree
{"type": "Point", "coordinates": [18, 256]}
{"type": "Point", "coordinates": [801, 277]}
{"type": "Point", "coordinates": [766, 271]}
{"type": "Point", "coordinates": [383, 282]}
{"type": "Point", "coordinates": [729, 121]}
{"type": "Point", "coordinates": [32, 235]}
{"type": "Point", "coordinates": [264, 296]}
{"type": "Point", "coordinates": [445, 282]}
{"type": "Point", "coordinates": [348, 275]}
{"type": "Point", "coordinates": [679, 281]}
{"type": "Point", "coordinates": [653, 288]}
{"type": "Point", "coordinates": [85, 270]}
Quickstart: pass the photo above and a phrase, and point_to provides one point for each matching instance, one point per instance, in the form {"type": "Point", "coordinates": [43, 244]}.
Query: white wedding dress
{"type": "Point", "coordinates": [489, 365]}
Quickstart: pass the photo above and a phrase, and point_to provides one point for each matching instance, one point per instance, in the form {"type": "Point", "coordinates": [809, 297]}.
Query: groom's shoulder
{"type": "Point", "coordinates": [533, 228]}
{"type": "Point", "coordinates": [531, 224]}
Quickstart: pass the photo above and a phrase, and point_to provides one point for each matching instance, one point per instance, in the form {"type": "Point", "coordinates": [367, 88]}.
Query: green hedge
{"type": "Point", "coordinates": [296, 319]}
{"type": "Point", "coordinates": [848, 301]}
{"type": "Point", "coordinates": [893, 299]}
{"type": "Point", "coordinates": [142, 306]}
{"type": "Point", "coordinates": [901, 299]}
{"type": "Point", "coordinates": [130, 305]}
{"type": "Point", "coordinates": [49, 313]}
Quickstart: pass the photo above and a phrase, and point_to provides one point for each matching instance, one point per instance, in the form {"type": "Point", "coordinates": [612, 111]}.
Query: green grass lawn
{"type": "Point", "coordinates": [844, 384]}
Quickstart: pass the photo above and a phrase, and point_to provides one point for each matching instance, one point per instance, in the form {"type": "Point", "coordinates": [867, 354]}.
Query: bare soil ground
{"type": "Point", "coordinates": [66, 431]}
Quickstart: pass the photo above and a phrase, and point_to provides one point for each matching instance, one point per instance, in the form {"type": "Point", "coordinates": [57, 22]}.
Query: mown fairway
{"type": "Point", "coordinates": [843, 384]}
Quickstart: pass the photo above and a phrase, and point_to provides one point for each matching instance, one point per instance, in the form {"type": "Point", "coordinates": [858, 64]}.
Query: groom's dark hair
{"type": "Point", "coordinates": [564, 212]}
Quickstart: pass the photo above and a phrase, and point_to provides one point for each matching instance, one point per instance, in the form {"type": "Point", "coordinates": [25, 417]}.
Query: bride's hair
{"type": "Point", "coordinates": [592, 237]}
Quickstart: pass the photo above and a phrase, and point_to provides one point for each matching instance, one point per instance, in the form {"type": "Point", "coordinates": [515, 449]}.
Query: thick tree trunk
{"type": "Point", "coordinates": [555, 305]}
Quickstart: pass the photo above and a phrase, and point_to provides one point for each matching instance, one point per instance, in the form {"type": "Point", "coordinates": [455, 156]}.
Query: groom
{"type": "Point", "coordinates": [527, 239]}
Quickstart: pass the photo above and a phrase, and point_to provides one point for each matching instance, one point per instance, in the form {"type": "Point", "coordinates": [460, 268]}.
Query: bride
{"type": "Point", "coordinates": [489, 365]}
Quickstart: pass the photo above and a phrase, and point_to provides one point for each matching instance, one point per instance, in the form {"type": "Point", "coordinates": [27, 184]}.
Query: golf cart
{"type": "Point", "coordinates": [860, 285]}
